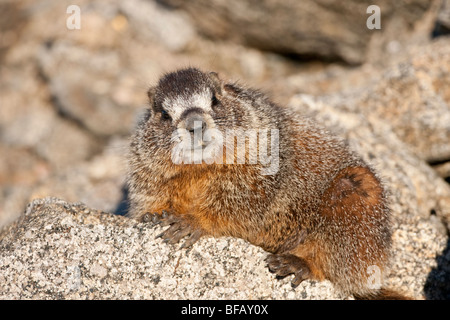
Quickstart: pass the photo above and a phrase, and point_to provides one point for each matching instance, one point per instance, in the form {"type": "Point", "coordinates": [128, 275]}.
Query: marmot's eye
{"type": "Point", "coordinates": [214, 100]}
{"type": "Point", "coordinates": [165, 115]}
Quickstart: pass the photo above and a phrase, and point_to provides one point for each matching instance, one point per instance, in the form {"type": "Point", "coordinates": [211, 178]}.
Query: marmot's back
{"type": "Point", "coordinates": [215, 158]}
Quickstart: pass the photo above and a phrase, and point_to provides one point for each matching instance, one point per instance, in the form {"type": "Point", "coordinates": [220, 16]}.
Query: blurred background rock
{"type": "Point", "coordinates": [69, 99]}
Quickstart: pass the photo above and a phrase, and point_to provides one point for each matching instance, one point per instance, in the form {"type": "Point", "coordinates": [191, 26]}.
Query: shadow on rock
{"type": "Point", "coordinates": [437, 286]}
{"type": "Point", "coordinates": [123, 205]}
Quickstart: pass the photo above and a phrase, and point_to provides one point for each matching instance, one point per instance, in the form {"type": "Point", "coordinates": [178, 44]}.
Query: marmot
{"type": "Point", "coordinates": [321, 214]}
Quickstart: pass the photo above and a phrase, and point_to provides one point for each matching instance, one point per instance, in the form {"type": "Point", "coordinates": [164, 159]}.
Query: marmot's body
{"type": "Point", "coordinates": [322, 214]}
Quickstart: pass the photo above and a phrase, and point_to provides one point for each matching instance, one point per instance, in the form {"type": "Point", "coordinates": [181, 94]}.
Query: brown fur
{"type": "Point", "coordinates": [322, 215]}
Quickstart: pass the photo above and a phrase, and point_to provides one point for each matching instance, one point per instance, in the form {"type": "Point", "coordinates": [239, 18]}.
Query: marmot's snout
{"type": "Point", "coordinates": [193, 120]}
{"type": "Point", "coordinates": [198, 124]}
{"type": "Point", "coordinates": [196, 138]}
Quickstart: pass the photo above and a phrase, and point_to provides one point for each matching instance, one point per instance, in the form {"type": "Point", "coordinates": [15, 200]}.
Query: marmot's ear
{"type": "Point", "coordinates": [216, 81]}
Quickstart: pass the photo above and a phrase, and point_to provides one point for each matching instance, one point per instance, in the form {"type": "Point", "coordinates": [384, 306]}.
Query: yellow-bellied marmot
{"type": "Point", "coordinates": [314, 205]}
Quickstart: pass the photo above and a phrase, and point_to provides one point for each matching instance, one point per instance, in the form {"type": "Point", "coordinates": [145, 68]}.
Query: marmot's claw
{"type": "Point", "coordinates": [164, 219]}
{"type": "Point", "coordinates": [179, 229]}
{"type": "Point", "coordinates": [286, 264]}
{"type": "Point", "coordinates": [193, 238]}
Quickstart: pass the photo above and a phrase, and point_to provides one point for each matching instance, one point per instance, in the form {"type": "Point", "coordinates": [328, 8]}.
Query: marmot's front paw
{"type": "Point", "coordinates": [179, 228]}
{"type": "Point", "coordinates": [286, 264]}
{"type": "Point", "coordinates": [164, 219]}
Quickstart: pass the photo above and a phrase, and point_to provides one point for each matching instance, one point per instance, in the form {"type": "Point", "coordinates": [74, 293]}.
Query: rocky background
{"type": "Point", "coordinates": [69, 100]}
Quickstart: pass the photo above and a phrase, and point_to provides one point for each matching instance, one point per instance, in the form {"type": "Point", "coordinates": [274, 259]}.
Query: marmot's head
{"type": "Point", "coordinates": [186, 95]}
{"type": "Point", "coordinates": [187, 113]}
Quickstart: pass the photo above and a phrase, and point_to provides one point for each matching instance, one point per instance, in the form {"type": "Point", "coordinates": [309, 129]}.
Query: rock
{"type": "Point", "coordinates": [314, 28]}
{"type": "Point", "coordinates": [98, 182]}
{"type": "Point", "coordinates": [437, 286]}
{"type": "Point", "coordinates": [17, 179]}
{"type": "Point", "coordinates": [85, 95]}
{"type": "Point", "coordinates": [64, 250]}
{"type": "Point", "coordinates": [443, 18]}
{"type": "Point", "coordinates": [27, 120]}
{"type": "Point", "coordinates": [443, 169]}
{"type": "Point", "coordinates": [12, 21]}
{"type": "Point", "coordinates": [412, 95]}
{"type": "Point", "coordinates": [172, 29]}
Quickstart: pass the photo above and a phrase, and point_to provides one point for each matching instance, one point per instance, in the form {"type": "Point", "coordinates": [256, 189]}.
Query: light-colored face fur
{"type": "Point", "coordinates": [176, 105]}
{"type": "Point", "coordinates": [199, 146]}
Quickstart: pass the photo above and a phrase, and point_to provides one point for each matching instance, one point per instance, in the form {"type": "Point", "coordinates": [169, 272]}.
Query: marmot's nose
{"type": "Point", "coordinates": [195, 123]}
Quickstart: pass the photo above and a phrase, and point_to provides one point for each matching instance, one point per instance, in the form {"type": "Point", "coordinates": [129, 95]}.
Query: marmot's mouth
{"type": "Point", "coordinates": [192, 148]}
